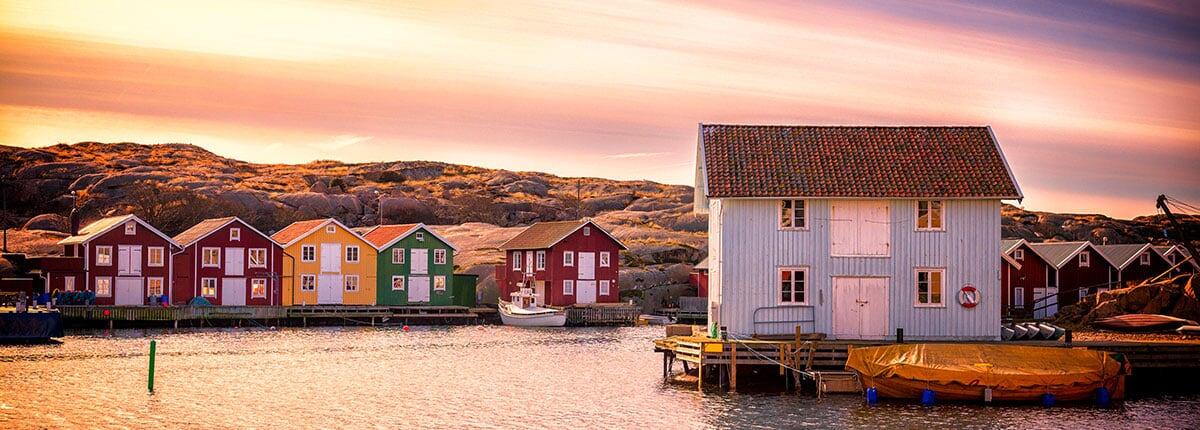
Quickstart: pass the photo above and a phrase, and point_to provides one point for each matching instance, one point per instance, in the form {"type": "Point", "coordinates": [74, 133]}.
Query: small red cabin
{"type": "Point", "coordinates": [123, 260]}
{"type": "Point", "coordinates": [227, 262]}
{"type": "Point", "coordinates": [1134, 263]}
{"type": "Point", "coordinates": [565, 262]}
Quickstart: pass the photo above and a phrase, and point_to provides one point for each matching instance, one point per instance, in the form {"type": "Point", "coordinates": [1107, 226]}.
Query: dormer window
{"type": "Point", "coordinates": [235, 234]}
{"type": "Point", "coordinates": [130, 228]}
{"type": "Point", "coordinates": [1085, 259]}
{"type": "Point", "coordinates": [1144, 259]}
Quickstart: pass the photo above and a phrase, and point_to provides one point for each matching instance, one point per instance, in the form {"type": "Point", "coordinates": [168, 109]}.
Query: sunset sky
{"type": "Point", "coordinates": [1096, 105]}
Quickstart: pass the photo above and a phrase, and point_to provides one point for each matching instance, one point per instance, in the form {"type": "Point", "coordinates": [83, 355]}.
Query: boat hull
{"type": "Point", "coordinates": [542, 318]}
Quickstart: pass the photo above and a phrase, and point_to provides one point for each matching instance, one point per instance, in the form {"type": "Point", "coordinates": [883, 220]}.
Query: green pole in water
{"type": "Point", "coordinates": [151, 383]}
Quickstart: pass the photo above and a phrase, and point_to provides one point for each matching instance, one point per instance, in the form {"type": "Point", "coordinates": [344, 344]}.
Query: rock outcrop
{"type": "Point", "coordinates": [1174, 297]}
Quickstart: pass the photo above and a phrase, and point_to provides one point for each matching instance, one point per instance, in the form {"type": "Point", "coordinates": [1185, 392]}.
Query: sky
{"type": "Point", "coordinates": [1096, 105]}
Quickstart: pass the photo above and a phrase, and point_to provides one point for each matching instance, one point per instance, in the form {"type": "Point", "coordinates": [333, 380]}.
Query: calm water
{"type": "Point", "coordinates": [446, 377]}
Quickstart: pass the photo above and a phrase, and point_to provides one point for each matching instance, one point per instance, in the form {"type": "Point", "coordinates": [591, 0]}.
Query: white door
{"type": "Point", "coordinates": [331, 257]}
{"type": "Point", "coordinates": [587, 266]}
{"type": "Point", "coordinates": [860, 308]}
{"type": "Point", "coordinates": [418, 289]}
{"type": "Point", "coordinates": [129, 260]}
{"type": "Point", "coordinates": [329, 289]}
{"type": "Point", "coordinates": [233, 292]}
{"type": "Point", "coordinates": [1049, 306]}
{"type": "Point", "coordinates": [235, 263]}
{"type": "Point", "coordinates": [529, 263]}
{"type": "Point", "coordinates": [585, 292]}
{"type": "Point", "coordinates": [128, 291]}
{"type": "Point", "coordinates": [539, 289]}
{"type": "Point", "coordinates": [420, 262]}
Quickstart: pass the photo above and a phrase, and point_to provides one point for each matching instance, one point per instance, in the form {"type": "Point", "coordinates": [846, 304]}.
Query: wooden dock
{"type": "Point", "coordinates": [602, 314]}
{"type": "Point", "coordinates": [281, 315]}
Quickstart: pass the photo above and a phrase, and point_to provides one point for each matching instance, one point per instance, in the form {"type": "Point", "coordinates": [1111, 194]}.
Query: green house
{"type": "Point", "coordinates": [415, 267]}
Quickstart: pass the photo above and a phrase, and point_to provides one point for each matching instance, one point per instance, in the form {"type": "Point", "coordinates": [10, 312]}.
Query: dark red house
{"type": "Point", "coordinates": [1175, 254]}
{"type": "Point", "coordinates": [122, 259]}
{"type": "Point", "coordinates": [227, 262]}
{"type": "Point", "coordinates": [565, 262]}
{"type": "Point", "coordinates": [699, 278]}
{"type": "Point", "coordinates": [1009, 270]}
{"type": "Point", "coordinates": [1026, 284]}
{"type": "Point", "coordinates": [1076, 270]}
{"type": "Point", "coordinates": [1134, 263]}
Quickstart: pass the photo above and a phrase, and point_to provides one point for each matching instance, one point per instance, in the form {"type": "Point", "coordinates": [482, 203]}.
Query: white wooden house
{"type": "Point", "coordinates": [854, 232]}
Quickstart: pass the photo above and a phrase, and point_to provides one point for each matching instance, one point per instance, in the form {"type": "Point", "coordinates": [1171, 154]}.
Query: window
{"type": "Point", "coordinates": [104, 287]}
{"type": "Point", "coordinates": [439, 283]}
{"type": "Point", "coordinates": [420, 236]}
{"type": "Point", "coordinates": [235, 234]}
{"type": "Point", "coordinates": [604, 259]}
{"type": "Point", "coordinates": [568, 287]}
{"type": "Point", "coordinates": [1171, 259]}
{"type": "Point", "coordinates": [351, 283]}
{"type": "Point", "coordinates": [604, 287]}
{"type": "Point", "coordinates": [859, 228]}
{"type": "Point", "coordinates": [1083, 292]}
{"type": "Point", "coordinates": [568, 258]}
{"type": "Point", "coordinates": [210, 257]}
{"type": "Point", "coordinates": [792, 286]}
{"type": "Point", "coordinates": [397, 283]}
{"type": "Point", "coordinates": [792, 214]}
{"type": "Point", "coordinates": [258, 288]}
{"type": "Point", "coordinates": [351, 254]}
{"type": "Point", "coordinates": [130, 228]}
{"type": "Point", "coordinates": [397, 255]}
{"type": "Point", "coordinates": [154, 257]}
{"type": "Point", "coordinates": [208, 287]}
{"type": "Point", "coordinates": [1144, 259]}
{"type": "Point", "coordinates": [258, 257]}
{"type": "Point", "coordinates": [154, 287]}
{"type": "Point", "coordinates": [308, 253]}
{"type": "Point", "coordinates": [330, 229]}
{"type": "Point", "coordinates": [308, 282]}
{"type": "Point", "coordinates": [104, 255]}
{"type": "Point", "coordinates": [587, 231]}
{"type": "Point", "coordinates": [1085, 259]}
{"type": "Point", "coordinates": [929, 287]}
{"type": "Point", "coordinates": [439, 256]}
{"type": "Point", "coordinates": [1019, 254]}
{"type": "Point", "coordinates": [69, 283]}
{"type": "Point", "coordinates": [516, 260]}
{"type": "Point", "coordinates": [929, 215]}
{"type": "Point", "coordinates": [1018, 299]}
{"type": "Point", "coordinates": [540, 261]}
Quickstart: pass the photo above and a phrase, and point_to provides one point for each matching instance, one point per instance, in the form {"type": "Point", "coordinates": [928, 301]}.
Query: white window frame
{"type": "Point", "coordinates": [568, 287]}
{"type": "Point", "coordinates": [350, 282]}
{"type": "Point", "coordinates": [1019, 255]}
{"type": "Point", "coordinates": [261, 285]}
{"type": "Point", "coordinates": [420, 236]}
{"type": "Point", "coordinates": [587, 231]}
{"type": "Point", "coordinates": [155, 251]}
{"type": "Point", "coordinates": [150, 288]}
{"type": "Point", "coordinates": [568, 258]}
{"type": "Point", "coordinates": [927, 224]}
{"type": "Point", "coordinates": [439, 256]}
{"type": "Point", "coordinates": [516, 257]}
{"type": "Point", "coordinates": [207, 290]}
{"type": "Point", "coordinates": [262, 257]}
{"type": "Point", "coordinates": [131, 228]}
{"type": "Point", "coordinates": [352, 254]}
{"type": "Point", "coordinates": [540, 260]}
{"type": "Point", "coordinates": [791, 285]}
{"type": "Point", "coordinates": [605, 259]}
{"type": "Point", "coordinates": [103, 286]}
{"type": "Point", "coordinates": [439, 283]}
{"type": "Point", "coordinates": [941, 303]}
{"type": "Point", "coordinates": [1018, 298]}
{"type": "Point", "coordinates": [308, 282]}
{"type": "Point", "coordinates": [401, 285]}
{"type": "Point", "coordinates": [330, 229]}
{"type": "Point", "coordinates": [68, 283]}
{"type": "Point", "coordinates": [605, 287]}
{"type": "Point", "coordinates": [787, 215]}
{"type": "Point", "coordinates": [1085, 259]}
{"type": "Point", "coordinates": [235, 234]}
{"type": "Point", "coordinates": [309, 251]}
{"type": "Point", "coordinates": [397, 255]}
{"type": "Point", "coordinates": [104, 255]}
{"type": "Point", "coordinates": [1144, 259]}
{"type": "Point", "coordinates": [215, 253]}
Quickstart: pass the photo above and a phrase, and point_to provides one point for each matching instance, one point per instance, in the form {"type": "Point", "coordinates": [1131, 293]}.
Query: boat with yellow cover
{"type": "Point", "coordinates": [994, 372]}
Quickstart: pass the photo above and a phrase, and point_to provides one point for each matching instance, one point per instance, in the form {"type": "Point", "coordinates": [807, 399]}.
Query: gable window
{"type": "Point", "coordinates": [1085, 259]}
{"type": "Point", "coordinates": [235, 234]}
{"type": "Point", "coordinates": [439, 256]}
{"type": "Point", "coordinates": [439, 283]}
{"type": "Point", "coordinates": [420, 236]}
{"type": "Point", "coordinates": [859, 228]}
{"type": "Point", "coordinates": [130, 228]}
{"type": "Point", "coordinates": [1171, 259]}
{"type": "Point", "coordinates": [331, 229]}
{"type": "Point", "coordinates": [929, 215]}
{"type": "Point", "coordinates": [568, 258]}
{"type": "Point", "coordinates": [208, 287]}
{"type": "Point", "coordinates": [1144, 259]}
{"type": "Point", "coordinates": [308, 282]}
{"type": "Point", "coordinates": [258, 288]}
{"type": "Point", "coordinates": [308, 253]}
{"type": "Point", "coordinates": [604, 259]}
{"type": "Point", "coordinates": [1019, 254]}
{"type": "Point", "coordinates": [568, 287]}
{"type": "Point", "coordinates": [351, 283]}
{"type": "Point", "coordinates": [930, 287]}
{"type": "Point", "coordinates": [397, 255]}
{"type": "Point", "coordinates": [587, 231]}
{"type": "Point", "coordinates": [792, 214]}
{"type": "Point", "coordinates": [68, 283]}
{"type": "Point", "coordinates": [516, 260]}
{"type": "Point", "coordinates": [104, 286]}
{"type": "Point", "coordinates": [792, 285]}
{"type": "Point", "coordinates": [210, 257]}
{"type": "Point", "coordinates": [154, 286]}
{"type": "Point", "coordinates": [540, 260]}
{"type": "Point", "coordinates": [154, 256]}
{"type": "Point", "coordinates": [351, 254]}
{"type": "Point", "coordinates": [104, 255]}
{"type": "Point", "coordinates": [397, 283]}
{"type": "Point", "coordinates": [258, 257]}
{"type": "Point", "coordinates": [605, 287]}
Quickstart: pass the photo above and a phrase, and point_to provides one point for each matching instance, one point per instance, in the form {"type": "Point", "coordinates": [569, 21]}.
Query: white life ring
{"type": "Point", "coordinates": [968, 296]}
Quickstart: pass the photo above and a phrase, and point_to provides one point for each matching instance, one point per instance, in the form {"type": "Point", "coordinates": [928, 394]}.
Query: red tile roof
{"type": "Point", "coordinates": [820, 161]}
{"type": "Point", "coordinates": [385, 234]}
{"type": "Point", "coordinates": [544, 235]}
{"type": "Point", "coordinates": [297, 230]}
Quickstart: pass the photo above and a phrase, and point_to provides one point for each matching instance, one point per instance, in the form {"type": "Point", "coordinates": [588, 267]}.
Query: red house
{"type": "Point", "coordinates": [1076, 270]}
{"type": "Point", "coordinates": [699, 278]}
{"type": "Point", "coordinates": [227, 262]}
{"type": "Point", "coordinates": [1175, 254]}
{"type": "Point", "coordinates": [123, 260]}
{"type": "Point", "coordinates": [1134, 263]}
{"type": "Point", "coordinates": [566, 263]}
{"type": "Point", "coordinates": [1010, 269]}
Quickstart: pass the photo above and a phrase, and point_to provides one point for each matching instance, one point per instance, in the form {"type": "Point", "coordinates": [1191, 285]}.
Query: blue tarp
{"type": "Point", "coordinates": [30, 325]}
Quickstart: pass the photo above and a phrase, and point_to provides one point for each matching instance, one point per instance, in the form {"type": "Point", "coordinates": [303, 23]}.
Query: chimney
{"type": "Point", "coordinates": [74, 222]}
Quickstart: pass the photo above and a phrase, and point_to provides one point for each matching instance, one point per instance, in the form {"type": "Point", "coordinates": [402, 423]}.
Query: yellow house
{"type": "Point", "coordinates": [325, 263]}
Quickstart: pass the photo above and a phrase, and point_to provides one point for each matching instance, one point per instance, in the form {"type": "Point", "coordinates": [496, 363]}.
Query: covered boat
{"type": "Point", "coordinates": [524, 311]}
{"type": "Point", "coordinates": [1141, 323]}
{"type": "Point", "coordinates": [966, 371]}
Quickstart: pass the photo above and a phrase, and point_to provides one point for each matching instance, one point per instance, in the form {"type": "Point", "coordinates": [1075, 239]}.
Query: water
{"type": "Point", "coordinates": [447, 377]}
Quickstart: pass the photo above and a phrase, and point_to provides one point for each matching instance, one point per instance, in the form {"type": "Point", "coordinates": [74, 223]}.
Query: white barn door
{"type": "Point", "coordinates": [329, 289]}
{"type": "Point", "coordinates": [128, 291]}
{"type": "Point", "coordinates": [585, 292]}
{"type": "Point", "coordinates": [331, 257]}
{"type": "Point", "coordinates": [129, 260]}
{"type": "Point", "coordinates": [587, 265]}
{"type": "Point", "coordinates": [235, 263]}
{"type": "Point", "coordinates": [233, 291]}
{"type": "Point", "coordinates": [420, 264]}
{"type": "Point", "coordinates": [860, 308]}
{"type": "Point", "coordinates": [418, 289]}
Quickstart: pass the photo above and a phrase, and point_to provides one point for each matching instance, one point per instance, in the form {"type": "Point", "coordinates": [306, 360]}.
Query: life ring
{"type": "Point", "coordinates": [968, 296]}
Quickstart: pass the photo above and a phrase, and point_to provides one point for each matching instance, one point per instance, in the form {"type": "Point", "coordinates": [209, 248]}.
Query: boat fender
{"type": "Point", "coordinates": [1102, 397]}
{"type": "Point", "coordinates": [1047, 400]}
{"type": "Point", "coordinates": [968, 296]}
{"type": "Point", "coordinates": [872, 396]}
{"type": "Point", "coordinates": [927, 397]}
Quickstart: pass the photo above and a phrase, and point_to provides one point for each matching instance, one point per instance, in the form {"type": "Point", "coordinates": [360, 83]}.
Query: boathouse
{"type": "Point", "coordinates": [854, 232]}
{"type": "Point", "coordinates": [1027, 284]}
{"type": "Point", "coordinates": [227, 262]}
{"type": "Point", "coordinates": [1076, 269]}
{"type": "Point", "coordinates": [122, 259]}
{"type": "Point", "coordinates": [1134, 263]}
{"type": "Point", "coordinates": [565, 262]}
{"type": "Point", "coordinates": [415, 266]}
{"type": "Point", "coordinates": [326, 263]}
{"type": "Point", "coordinates": [1175, 254]}
{"type": "Point", "coordinates": [1009, 270]}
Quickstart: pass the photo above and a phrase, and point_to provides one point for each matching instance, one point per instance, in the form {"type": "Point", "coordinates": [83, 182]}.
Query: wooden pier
{"type": "Point", "coordinates": [602, 314]}
{"type": "Point", "coordinates": [282, 315]}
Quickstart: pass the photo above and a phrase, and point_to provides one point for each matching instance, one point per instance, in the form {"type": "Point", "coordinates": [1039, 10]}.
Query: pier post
{"type": "Point", "coordinates": [150, 381]}
{"type": "Point", "coordinates": [733, 366]}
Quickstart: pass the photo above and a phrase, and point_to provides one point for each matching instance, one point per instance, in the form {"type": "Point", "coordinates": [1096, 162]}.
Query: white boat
{"type": "Point", "coordinates": [523, 311]}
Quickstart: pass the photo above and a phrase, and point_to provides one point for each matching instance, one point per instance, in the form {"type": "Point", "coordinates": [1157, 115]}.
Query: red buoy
{"type": "Point", "coordinates": [405, 328]}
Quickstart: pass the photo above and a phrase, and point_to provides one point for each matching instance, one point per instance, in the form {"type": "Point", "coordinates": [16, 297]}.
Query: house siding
{"type": "Point", "coordinates": [189, 270]}
{"type": "Point", "coordinates": [386, 270]}
{"type": "Point", "coordinates": [293, 267]}
{"type": "Point", "coordinates": [116, 237]}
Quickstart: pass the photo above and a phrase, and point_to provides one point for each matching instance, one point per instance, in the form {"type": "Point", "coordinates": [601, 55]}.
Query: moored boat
{"type": "Point", "coordinates": [988, 371]}
{"type": "Point", "coordinates": [523, 311]}
{"type": "Point", "coordinates": [1141, 323]}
